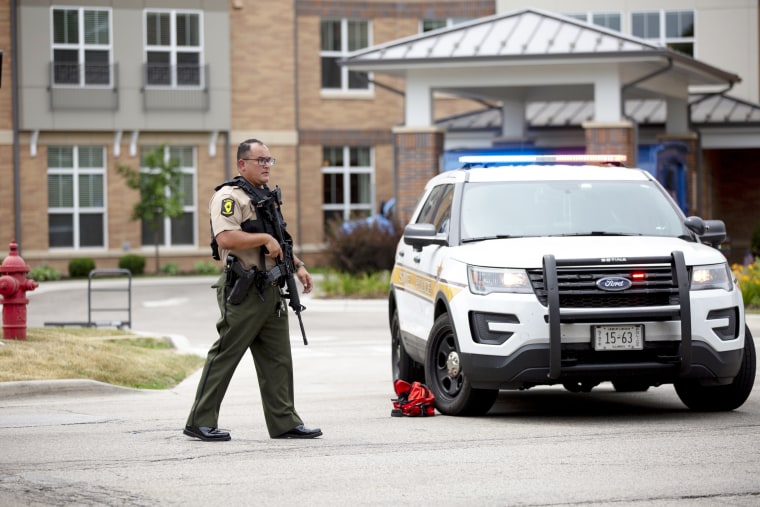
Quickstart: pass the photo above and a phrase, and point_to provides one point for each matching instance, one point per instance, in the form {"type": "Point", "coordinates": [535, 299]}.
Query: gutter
{"type": "Point", "coordinates": [297, 125]}
{"type": "Point", "coordinates": [227, 170]}
{"type": "Point", "coordinates": [15, 121]}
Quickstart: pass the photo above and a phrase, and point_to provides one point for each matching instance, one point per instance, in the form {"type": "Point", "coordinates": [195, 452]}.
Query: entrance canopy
{"type": "Point", "coordinates": [530, 56]}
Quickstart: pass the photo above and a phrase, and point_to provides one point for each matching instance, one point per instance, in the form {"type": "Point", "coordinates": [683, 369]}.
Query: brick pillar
{"type": "Point", "coordinates": [691, 161]}
{"type": "Point", "coordinates": [418, 153]}
{"type": "Point", "coordinates": [611, 138]}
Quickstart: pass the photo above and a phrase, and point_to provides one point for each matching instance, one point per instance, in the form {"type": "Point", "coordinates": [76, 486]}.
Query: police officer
{"type": "Point", "coordinates": [259, 322]}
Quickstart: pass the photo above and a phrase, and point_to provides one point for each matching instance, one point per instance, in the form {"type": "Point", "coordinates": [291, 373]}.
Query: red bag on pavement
{"type": "Point", "coordinates": [413, 400]}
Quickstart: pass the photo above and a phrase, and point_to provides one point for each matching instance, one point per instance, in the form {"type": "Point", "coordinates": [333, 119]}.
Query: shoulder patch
{"type": "Point", "coordinates": [228, 207]}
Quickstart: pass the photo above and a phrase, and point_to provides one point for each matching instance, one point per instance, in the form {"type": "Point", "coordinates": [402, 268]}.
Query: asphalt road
{"type": "Point", "coordinates": [74, 443]}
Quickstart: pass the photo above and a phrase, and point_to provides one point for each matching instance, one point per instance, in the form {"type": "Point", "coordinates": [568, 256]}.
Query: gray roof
{"type": "Point", "coordinates": [528, 34]}
{"type": "Point", "coordinates": [525, 32]}
{"type": "Point", "coordinates": [717, 110]}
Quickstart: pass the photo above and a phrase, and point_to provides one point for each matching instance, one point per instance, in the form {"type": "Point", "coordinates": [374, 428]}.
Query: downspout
{"type": "Point", "coordinates": [297, 125]}
{"type": "Point", "coordinates": [15, 116]}
{"type": "Point", "coordinates": [700, 158]}
{"type": "Point", "coordinates": [623, 89]}
{"type": "Point", "coordinates": [227, 171]}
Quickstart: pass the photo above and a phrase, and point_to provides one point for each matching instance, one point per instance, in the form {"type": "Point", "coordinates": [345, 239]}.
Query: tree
{"type": "Point", "coordinates": [160, 186]}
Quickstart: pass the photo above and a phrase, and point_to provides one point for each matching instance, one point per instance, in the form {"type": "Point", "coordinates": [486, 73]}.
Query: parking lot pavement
{"type": "Point", "coordinates": [87, 443]}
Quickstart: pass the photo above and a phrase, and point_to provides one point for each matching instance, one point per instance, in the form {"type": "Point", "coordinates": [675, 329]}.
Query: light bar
{"type": "Point", "coordinates": [514, 159]}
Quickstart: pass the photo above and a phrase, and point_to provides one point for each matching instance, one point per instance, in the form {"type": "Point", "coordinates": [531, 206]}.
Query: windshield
{"type": "Point", "coordinates": [554, 208]}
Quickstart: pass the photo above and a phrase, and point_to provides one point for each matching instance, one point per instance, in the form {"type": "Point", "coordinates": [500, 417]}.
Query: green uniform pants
{"type": "Point", "coordinates": [262, 327]}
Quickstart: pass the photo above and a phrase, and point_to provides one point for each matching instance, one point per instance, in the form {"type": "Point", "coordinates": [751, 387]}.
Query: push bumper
{"type": "Point", "coordinates": [530, 366]}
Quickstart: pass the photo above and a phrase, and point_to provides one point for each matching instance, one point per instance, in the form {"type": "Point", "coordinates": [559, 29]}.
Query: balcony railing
{"type": "Point", "coordinates": [175, 87]}
{"type": "Point", "coordinates": [83, 86]}
{"type": "Point", "coordinates": [74, 86]}
{"type": "Point", "coordinates": [158, 74]}
{"type": "Point", "coordinates": [81, 74]}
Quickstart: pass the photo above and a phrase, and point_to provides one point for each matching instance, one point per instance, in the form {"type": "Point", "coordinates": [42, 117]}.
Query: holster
{"type": "Point", "coordinates": [241, 280]}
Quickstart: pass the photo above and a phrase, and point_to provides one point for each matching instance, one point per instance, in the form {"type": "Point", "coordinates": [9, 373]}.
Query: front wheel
{"type": "Point", "coordinates": [727, 397]}
{"type": "Point", "coordinates": [454, 394]}
{"type": "Point", "coordinates": [402, 365]}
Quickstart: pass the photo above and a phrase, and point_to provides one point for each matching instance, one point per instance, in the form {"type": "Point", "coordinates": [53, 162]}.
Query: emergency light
{"type": "Point", "coordinates": [523, 159]}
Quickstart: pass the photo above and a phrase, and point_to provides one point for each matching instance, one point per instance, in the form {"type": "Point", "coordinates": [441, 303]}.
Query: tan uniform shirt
{"type": "Point", "coordinates": [229, 207]}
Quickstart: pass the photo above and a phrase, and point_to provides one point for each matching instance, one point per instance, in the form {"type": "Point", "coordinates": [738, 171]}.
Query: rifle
{"type": "Point", "coordinates": [285, 268]}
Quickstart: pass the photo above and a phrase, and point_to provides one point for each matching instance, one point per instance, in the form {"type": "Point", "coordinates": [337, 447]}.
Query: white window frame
{"type": "Point", "coordinates": [192, 208]}
{"type": "Point", "coordinates": [662, 39]}
{"type": "Point", "coordinates": [75, 210]}
{"type": "Point", "coordinates": [173, 48]}
{"type": "Point", "coordinates": [448, 23]}
{"type": "Point", "coordinates": [346, 208]}
{"type": "Point", "coordinates": [81, 47]}
{"type": "Point", "coordinates": [344, 72]}
{"type": "Point", "coordinates": [588, 17]}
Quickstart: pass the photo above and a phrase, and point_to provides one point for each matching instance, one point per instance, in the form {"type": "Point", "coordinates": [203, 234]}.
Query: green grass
{"type": "Point", "coordinates": [111, 356]}
{"type": "Point", "coordinates": [341, 285]}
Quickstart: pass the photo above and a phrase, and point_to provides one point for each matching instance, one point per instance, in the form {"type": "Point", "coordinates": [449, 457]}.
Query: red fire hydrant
{"type": "Point", "coordinates": [13, 287]}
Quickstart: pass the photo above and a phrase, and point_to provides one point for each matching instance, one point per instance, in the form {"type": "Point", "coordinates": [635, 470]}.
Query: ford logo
{"type": "Point", "coordinates": [613, 283]}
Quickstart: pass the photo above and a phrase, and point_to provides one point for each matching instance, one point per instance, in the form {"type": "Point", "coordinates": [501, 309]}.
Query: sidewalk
{"type": "Point", "coordinates": [182, 309]}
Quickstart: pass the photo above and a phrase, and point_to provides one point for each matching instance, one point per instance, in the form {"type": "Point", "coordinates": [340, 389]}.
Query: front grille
{"type": "Point", "coordinates": [577, 286]}
{"type": "Point", "coordinates": [651, 288]}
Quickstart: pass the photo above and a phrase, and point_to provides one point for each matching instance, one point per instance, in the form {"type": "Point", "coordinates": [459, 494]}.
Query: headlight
{"type": "Point", "coordinates": [712, 276]}
{"type": "Point", "coordinates": [487, 280]}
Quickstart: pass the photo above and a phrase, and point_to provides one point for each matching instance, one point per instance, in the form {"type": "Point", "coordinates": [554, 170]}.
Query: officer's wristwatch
{"type": "Point", "coordinates": [301, 264]}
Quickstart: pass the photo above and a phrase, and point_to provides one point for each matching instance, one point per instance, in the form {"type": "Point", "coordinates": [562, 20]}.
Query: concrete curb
{"type": "Point", "coordinates": [28, 388]}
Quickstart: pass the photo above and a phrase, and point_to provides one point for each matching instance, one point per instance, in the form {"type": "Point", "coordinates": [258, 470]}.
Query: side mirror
{"type": "Point", "coordinates": [695, 224]}
{"type": "Point", "coordinates": [712, 232]}
{"type": "Point", "coordinates": [715, 232]}
{"type": "Point", "coordinates": [422, 235]}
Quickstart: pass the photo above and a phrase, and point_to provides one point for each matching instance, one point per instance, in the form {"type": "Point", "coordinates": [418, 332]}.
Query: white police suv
{"type": "Point", "coordinates": [514, 276]}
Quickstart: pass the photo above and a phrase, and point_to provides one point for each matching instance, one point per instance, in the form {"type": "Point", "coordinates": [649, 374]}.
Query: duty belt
{"type": "Point", "coordinates": [241, 280]}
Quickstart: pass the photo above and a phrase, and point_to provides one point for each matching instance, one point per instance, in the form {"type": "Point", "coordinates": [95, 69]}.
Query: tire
{"type": "Point", "coordinates": [454, 395]}
{"type": "Point", "coordinates": [402, 366]}
{"type": "Point", "coordinates": [727, 397]}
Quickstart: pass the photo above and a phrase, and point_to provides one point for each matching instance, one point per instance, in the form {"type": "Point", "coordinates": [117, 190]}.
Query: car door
{"type": "Point", "coordinates": [419, 269]}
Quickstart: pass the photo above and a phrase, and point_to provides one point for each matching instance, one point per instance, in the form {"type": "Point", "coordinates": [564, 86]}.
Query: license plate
{"type": "Point", "coordinates": [618, 337]}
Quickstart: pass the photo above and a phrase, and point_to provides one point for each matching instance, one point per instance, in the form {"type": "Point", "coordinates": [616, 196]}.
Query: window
{"type": "Point", "coordinates": [610, 20]}
{"type": "Point", "coordinates": [339, 37]}
{"type": "Point", "coordinates": [674, 29]}
{"type": "Point", "coordinates": [81, 47]}
{"type": "Point", "coordinates": [347, 182]}
{"type": "Point", "coordinates": [76, 196]}
{"type": "Point", "coordinates": [437, 208]}
{"type": "Point", "coordinates": [173, 48]}
{"type": "Point", "coordinates": [178, 231]}
{"type": "Point", "coordinates": [428, 25]}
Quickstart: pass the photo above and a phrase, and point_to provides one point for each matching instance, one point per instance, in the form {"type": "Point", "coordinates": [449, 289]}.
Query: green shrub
{"type": "Point", "coordinates": [341, 285]}
{"type": "Point", "coordinates": [170, 268]}
{"type": "Point", "coordinates": [81, 267]}
{"type": "Point", "coordinates": [206, 268]}
{"type": "Point", "coordinates": [133, 262]}
{"type": "Point", "coordinates": [366, 249]}
{"type": "Point", "coordinates": [748, 278]}
{"type": "Point", "coordinates": [44, 273]}
{"type": "Point", "coordinates": [755, 243]}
